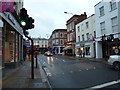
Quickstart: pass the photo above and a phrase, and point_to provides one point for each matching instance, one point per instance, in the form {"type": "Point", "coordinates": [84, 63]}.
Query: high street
{"type": "Point", "coordinates": [72, 73]}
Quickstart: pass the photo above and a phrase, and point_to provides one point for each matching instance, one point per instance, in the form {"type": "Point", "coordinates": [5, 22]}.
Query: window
{"type": "Point", "coordinates": [102, 27]}
{"type": "Point", "coordinates": [114, 24]}
{"type": "Point", "coordinates": [87, 36]}
{"type": "Point", "coordinates": [53, 36]}
{"type": "Point", "coordinates": [78, 28]}
{"type": "Point", "coordinates": [113, 5]}
{"type": "Point", "coordinates": [57, 41]}
{"type": "Point", "coordinates": [87, 25]}
{"type": "Point", "coordinates": [61, 41]}
{"type": "Point", "coordinates": [56, 35]}
{"type": "Point", "coordinates": [78, 38]}
{"type": "Point", "coordinates": [102, 11]}
{"type": "Point", "coordinates": [82, 27]}
{"type": "Point", "coordinates": [83, 37]}
{"type": "Point", "coordinates": [61, 35]}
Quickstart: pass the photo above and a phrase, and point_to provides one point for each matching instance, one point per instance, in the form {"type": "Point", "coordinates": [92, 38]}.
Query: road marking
{"type": "Point", "coordinates": [63, 60]}
{"type": "Point", "coordinates": [94, 67]}
{"type": "Point", "coordinates": [103, 85]}
{"type": "Point", "coordinates": [87, 69]}
{"type": "Point", "coordinates": [80, 70]}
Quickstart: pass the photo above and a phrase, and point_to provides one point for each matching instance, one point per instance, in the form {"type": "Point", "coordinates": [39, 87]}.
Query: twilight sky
{"type": "Point", "coordinates": [49, 14]}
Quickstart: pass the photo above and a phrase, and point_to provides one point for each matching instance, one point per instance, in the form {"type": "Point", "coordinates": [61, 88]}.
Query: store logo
{"type": "Point", "coordinates": [6, 6]}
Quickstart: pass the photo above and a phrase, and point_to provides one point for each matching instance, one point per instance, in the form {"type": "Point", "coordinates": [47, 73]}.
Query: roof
{"type": "Point", "coordinates": [39, 39]}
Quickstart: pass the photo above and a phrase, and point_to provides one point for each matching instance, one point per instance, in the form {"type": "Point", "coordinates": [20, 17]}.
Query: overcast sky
{"type": "Point", "coordinates": [49, 14]}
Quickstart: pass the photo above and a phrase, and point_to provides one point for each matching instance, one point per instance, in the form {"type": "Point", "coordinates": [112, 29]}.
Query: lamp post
{"type": "Point", "coordinates": [68, 13]}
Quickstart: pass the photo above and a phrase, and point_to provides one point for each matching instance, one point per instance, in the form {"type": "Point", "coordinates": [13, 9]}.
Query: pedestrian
{"type": "Point", "coordinates": [80, 54]}
{"type": "Point", "coordinates": [83, 54]}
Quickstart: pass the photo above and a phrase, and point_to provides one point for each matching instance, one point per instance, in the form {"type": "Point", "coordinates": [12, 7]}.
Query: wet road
{"type": "Point", "coordinates": [68, 73]}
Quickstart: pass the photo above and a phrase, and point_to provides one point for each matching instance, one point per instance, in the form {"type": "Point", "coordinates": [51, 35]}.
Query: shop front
{"type": "Point", "coordinates": [113, 48]}
{"type": "Point", "coordinates": [85, 49]}
{"type": "Point", "coordinates": [12, 39]}
{"type": "Point", "coordinates": [57, 49]}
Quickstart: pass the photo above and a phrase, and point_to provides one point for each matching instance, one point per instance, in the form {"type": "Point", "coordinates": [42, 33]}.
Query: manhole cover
{"type": "Point", "coordinates": [37, 85]}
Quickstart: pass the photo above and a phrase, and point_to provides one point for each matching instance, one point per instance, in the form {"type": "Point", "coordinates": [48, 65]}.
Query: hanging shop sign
{"type": "Point", "coordinates": [6, 6]}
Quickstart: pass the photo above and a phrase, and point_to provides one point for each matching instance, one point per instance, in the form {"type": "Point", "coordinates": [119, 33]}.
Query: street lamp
{"type": "Point", "coordinates": [68, 13]}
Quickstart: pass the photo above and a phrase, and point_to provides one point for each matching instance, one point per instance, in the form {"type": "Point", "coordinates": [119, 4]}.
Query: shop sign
{"type": "Point", "coordinates": [6, 6]}
{"type": "Point", "coordinates": [11, 19]}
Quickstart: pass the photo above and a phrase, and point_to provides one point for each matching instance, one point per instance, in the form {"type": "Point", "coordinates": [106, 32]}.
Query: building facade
{"type": "Point", "coordinates": [107, 17]}
{"type": "Point", "coordinates": [12, 37]}
{"type": "Point", "coordinates": [41, 44]}
{"type": "Point", "coordinates": [85, 33]}
{"type": "Point", "coordinates": [71, 32]}
{"type": "Point", "coordinates": [57, 39]}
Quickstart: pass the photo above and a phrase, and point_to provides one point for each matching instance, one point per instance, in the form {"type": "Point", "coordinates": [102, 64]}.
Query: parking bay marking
{"type": "Point", "coordinates": [103, 85]}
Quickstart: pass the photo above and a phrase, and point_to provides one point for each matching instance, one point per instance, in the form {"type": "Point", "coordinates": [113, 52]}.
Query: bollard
{"type": "Point", "coordinates": [36, 60]}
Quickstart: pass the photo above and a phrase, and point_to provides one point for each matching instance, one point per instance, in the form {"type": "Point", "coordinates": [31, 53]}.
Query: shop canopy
{"type": "Point", "coordinates": [68, 47]}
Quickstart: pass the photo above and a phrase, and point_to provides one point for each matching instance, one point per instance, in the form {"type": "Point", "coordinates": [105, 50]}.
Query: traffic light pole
{"type": "Point", "coordinates": [32, 53]}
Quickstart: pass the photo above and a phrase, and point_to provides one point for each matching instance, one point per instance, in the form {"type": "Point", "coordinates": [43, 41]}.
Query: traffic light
{"type": "Point", "coordinates": [30, 23]}
{"type": "Point", "coordinates": [26, 21]}
{"type": "Point", "coordinates": [23, 17]}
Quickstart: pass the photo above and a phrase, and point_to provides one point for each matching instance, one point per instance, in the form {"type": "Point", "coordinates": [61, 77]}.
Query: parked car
{"type": "Point", "coordinates": [48, 53]}
{"type": "Point", "coordinates": [114, 60]}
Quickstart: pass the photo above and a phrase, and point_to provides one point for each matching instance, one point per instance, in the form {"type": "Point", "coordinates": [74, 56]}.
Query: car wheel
{"type": "Point", "coordinates": [116, 66]}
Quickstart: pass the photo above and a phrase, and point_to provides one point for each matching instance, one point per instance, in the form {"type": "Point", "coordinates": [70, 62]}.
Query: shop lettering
{"type": "Point", "coordinates": [11, 19]}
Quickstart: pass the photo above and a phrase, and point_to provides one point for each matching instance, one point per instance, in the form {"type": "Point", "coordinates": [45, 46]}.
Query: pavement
{"type": "Point", "coordinates": [20, 77]}
{"type": "Point", "coordinates": [102, 60]}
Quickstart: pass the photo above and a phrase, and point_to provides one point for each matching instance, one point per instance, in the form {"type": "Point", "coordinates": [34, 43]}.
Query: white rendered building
{"type": "Point", "coordinates": [107, 20]}
{"type": "Point", "coordinates": [85, 33]}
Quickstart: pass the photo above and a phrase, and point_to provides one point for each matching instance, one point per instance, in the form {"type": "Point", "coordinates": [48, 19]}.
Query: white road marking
{"type": "Point", "coordinates": [87, 69]}
{"type": "Point", "coordinates": [103, 85]}
{"type": "Point", "coordinates": [94, 67]}
{"type": "Point", "coordinates": [63, 60]}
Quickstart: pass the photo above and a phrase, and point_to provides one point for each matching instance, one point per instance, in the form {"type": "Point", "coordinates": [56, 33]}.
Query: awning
{"type": "Point", "coordinates": [68, 47]}
{"type": "Point", "coordinates": [54, 48]}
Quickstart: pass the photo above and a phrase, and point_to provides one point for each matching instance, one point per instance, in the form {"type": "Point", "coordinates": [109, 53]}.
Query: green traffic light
{"type": "Point", "coordinates": [23, 23]}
